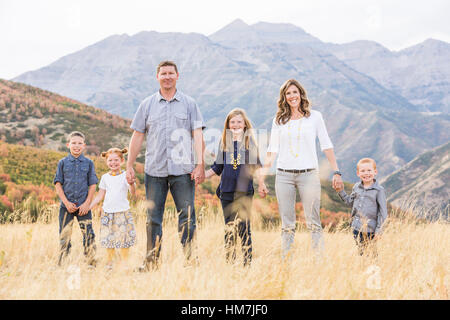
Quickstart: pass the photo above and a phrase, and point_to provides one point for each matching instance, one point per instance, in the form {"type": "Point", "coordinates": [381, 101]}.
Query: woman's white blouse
{"type": "Point", "coordinates": [295, 142]}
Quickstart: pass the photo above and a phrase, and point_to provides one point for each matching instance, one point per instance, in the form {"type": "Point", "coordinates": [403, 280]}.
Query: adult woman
{"type": "Point", "coordinates": [293, 137]}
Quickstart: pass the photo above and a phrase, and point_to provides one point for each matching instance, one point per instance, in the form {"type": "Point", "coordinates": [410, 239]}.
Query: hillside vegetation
{"type": "Point", "coordinates": [34, 117]}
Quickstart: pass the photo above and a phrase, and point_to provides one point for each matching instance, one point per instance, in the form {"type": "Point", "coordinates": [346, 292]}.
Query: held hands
{"type": "Point", "coordinates": [71, 207]}
{"type": "Point", "coordinates": [84, 208]}
{"type": "Point", "coordinates": [131, 178]}
{"type": "Point", "coordinates": [198, 174]}
{"type": "Point", "coordinates": [262, 190]}
{"type": "Point", "coordinates": [338, 185]}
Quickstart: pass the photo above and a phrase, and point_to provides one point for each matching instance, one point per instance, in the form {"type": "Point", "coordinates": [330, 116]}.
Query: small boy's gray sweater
{"type": "Point", "coordinates": [369, 208]}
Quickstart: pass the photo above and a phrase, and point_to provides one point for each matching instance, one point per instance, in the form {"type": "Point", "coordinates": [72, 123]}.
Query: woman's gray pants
{"type": "Point", "coordinates": [308, 185]}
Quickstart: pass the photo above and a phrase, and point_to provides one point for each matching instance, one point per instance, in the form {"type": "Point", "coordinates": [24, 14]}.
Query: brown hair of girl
{"type": "Point", "coordinates": [119, 152]}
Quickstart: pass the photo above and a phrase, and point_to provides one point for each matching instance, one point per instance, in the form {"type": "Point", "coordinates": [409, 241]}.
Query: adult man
{"type": "Point", "coordinates": [173, 124]}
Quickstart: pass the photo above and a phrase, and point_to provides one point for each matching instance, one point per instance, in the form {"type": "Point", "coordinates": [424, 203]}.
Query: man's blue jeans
{"type": "Point", "coordinates": [182, 189]}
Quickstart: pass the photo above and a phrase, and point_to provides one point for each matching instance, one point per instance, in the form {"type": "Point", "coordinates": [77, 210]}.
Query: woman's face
{"type": "Point", "coordinates": [236, 124]}
{"type": "Point", "coordinates": [292, 96]}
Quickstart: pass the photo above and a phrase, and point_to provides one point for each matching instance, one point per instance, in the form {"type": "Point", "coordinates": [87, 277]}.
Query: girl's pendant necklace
{"type": "Point", "coordinates": [116, 174]}
{"type": "Point", "coordinates": [291, 149]}
{"type": "Point", "coordinates": [235, 162]}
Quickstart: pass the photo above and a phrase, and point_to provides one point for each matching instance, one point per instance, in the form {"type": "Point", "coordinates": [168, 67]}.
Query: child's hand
{"type": "Point", "coordinates": [339, 188]}
{"type": "Point", "coordinates": [71, 207]}
{"type": "Point", "coordinates": [84, 209]}
{"type": "Point", "coordinates": [262, 190]}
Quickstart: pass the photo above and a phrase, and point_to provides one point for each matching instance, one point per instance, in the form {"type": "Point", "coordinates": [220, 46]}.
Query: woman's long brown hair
{"type": "Point", "coordinates": [284, 110]}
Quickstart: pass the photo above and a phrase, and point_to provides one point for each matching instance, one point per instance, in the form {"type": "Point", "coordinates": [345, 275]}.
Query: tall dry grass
{"type": "Point", "coordinates": [413, 263]}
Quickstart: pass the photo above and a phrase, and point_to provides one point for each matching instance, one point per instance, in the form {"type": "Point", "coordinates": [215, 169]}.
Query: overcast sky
{"type": "Point", "coordinates": [34, 34]}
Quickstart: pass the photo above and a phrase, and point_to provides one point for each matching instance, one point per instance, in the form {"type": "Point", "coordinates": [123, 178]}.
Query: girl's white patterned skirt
{"type": "Point", "coordinates": [117, 230]}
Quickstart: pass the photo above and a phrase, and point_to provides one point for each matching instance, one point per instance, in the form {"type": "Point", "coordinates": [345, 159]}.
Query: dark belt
{"type": "Point", "coordinates": [297, 171]}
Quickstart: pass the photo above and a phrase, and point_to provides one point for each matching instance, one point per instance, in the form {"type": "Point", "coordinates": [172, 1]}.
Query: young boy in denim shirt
{"type": "Point", "coordinates": [75, 182]}
{"type": "Point", "coordinates": [368, 201]}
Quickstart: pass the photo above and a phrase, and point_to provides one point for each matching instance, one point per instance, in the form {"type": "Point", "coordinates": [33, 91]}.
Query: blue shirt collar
{"type": "Point", "coordinates": [177, 96]}
{"type": "Point", "coordinates": [72, 158]}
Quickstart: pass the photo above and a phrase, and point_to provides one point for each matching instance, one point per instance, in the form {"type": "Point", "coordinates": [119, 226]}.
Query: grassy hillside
{"type": "Point", "coordinates": [26, 179]}
{"type": "Point", "coordinates": [34, 117]}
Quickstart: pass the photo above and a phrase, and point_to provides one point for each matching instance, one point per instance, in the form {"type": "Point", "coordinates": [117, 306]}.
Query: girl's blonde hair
{"type": "Point", "coordinates": [227, 138]}
{"type": "Point", "coordinates": [119, 152]}
{"type": "Point", "coordinates": [284, 110]}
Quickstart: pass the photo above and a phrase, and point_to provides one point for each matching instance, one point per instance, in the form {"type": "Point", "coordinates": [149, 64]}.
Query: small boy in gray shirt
{"type": "Point", "coordinates": [368, 201]}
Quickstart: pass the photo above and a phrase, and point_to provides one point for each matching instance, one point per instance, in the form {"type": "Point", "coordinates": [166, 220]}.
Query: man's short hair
{"type": "Point", "coordinates": [75, 134]}
{"type": "Point", "coordinates": [366, 160]}
{"type": "Point", "coordinates": [166, 63]}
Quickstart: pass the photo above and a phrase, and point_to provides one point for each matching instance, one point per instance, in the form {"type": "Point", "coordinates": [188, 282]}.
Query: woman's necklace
{"type": "Point", "coordinates": [291, 149]}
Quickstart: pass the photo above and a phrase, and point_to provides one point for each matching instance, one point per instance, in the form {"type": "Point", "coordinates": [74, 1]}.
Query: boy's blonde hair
{"type": "Point", "coordinates": [366, 160]}
{"type": "Point", "coordinates": [119, 152]}
{"type": "Point", "coordinates": [75, 134]}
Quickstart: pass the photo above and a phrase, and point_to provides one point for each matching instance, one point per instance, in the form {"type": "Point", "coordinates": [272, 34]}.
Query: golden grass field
{"type": "Point", "coordinates": [413, 263]}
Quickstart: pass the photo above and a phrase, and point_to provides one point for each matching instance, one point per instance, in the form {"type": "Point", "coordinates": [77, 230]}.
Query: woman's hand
{"type": "Point", "coordinates": [338, 185]}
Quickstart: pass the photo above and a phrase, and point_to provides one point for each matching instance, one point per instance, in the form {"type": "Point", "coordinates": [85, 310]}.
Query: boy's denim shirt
{"type": "Point", "coordinates": [369, 210]}
{"type": "Point", "coordinates": [75, 176]}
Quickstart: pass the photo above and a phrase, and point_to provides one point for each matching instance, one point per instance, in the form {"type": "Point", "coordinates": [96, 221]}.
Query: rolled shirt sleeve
{"type": "Point", "coordinates": [382, 210]}
{"type": "Point", "coordinates": [324, 139]}
{"type": "Point", "coordinates": [140, 117]}
{"type": "Point", "coordinates": [59, 176]}
{"type": "Point", "coordinates": [218, 164]}
{"type": "Point", "coordinates": [92, 177]}
{"type": "Point", "coordinates": [196, 117]}
{"type": "Point", "coordinates": [274, 145]}
{"type": "Point", "coordinates": [348, 199]}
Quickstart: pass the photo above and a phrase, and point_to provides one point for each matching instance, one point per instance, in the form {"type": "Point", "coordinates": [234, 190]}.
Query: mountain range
{"type": "Point", "coordinates": [422, 184]}
{"type": "Point", "coordinates": [390, 106]}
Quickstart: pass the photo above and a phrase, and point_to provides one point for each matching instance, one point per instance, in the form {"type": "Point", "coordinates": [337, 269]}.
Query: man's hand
{"type": "Point", "coordinates": [131, 178]}
{"type": "Point", "coordinates": [198, 174]}
{"type": "Point", "coordinates": [84, 208]}
{"type": "Point", "coordinates": [262, 190]}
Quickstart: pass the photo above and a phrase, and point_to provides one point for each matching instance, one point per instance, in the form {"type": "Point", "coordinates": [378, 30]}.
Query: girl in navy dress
{"type": "Point", "coordinates": [237, 162]}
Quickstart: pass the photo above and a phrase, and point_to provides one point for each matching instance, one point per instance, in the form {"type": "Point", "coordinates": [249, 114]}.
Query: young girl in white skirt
{"type": "Point", "coordinates": [117, 229]}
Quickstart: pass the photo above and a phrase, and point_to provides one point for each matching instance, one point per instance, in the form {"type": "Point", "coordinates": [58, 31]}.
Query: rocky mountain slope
{"type": "Point", "coordinates": [422, 183]}
{"type": "Point", "coordinates": [420, 73]}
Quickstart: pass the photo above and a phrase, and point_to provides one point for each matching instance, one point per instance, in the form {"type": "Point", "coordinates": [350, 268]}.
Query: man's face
{"type": "Point", "coordinates": [167, 77]}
